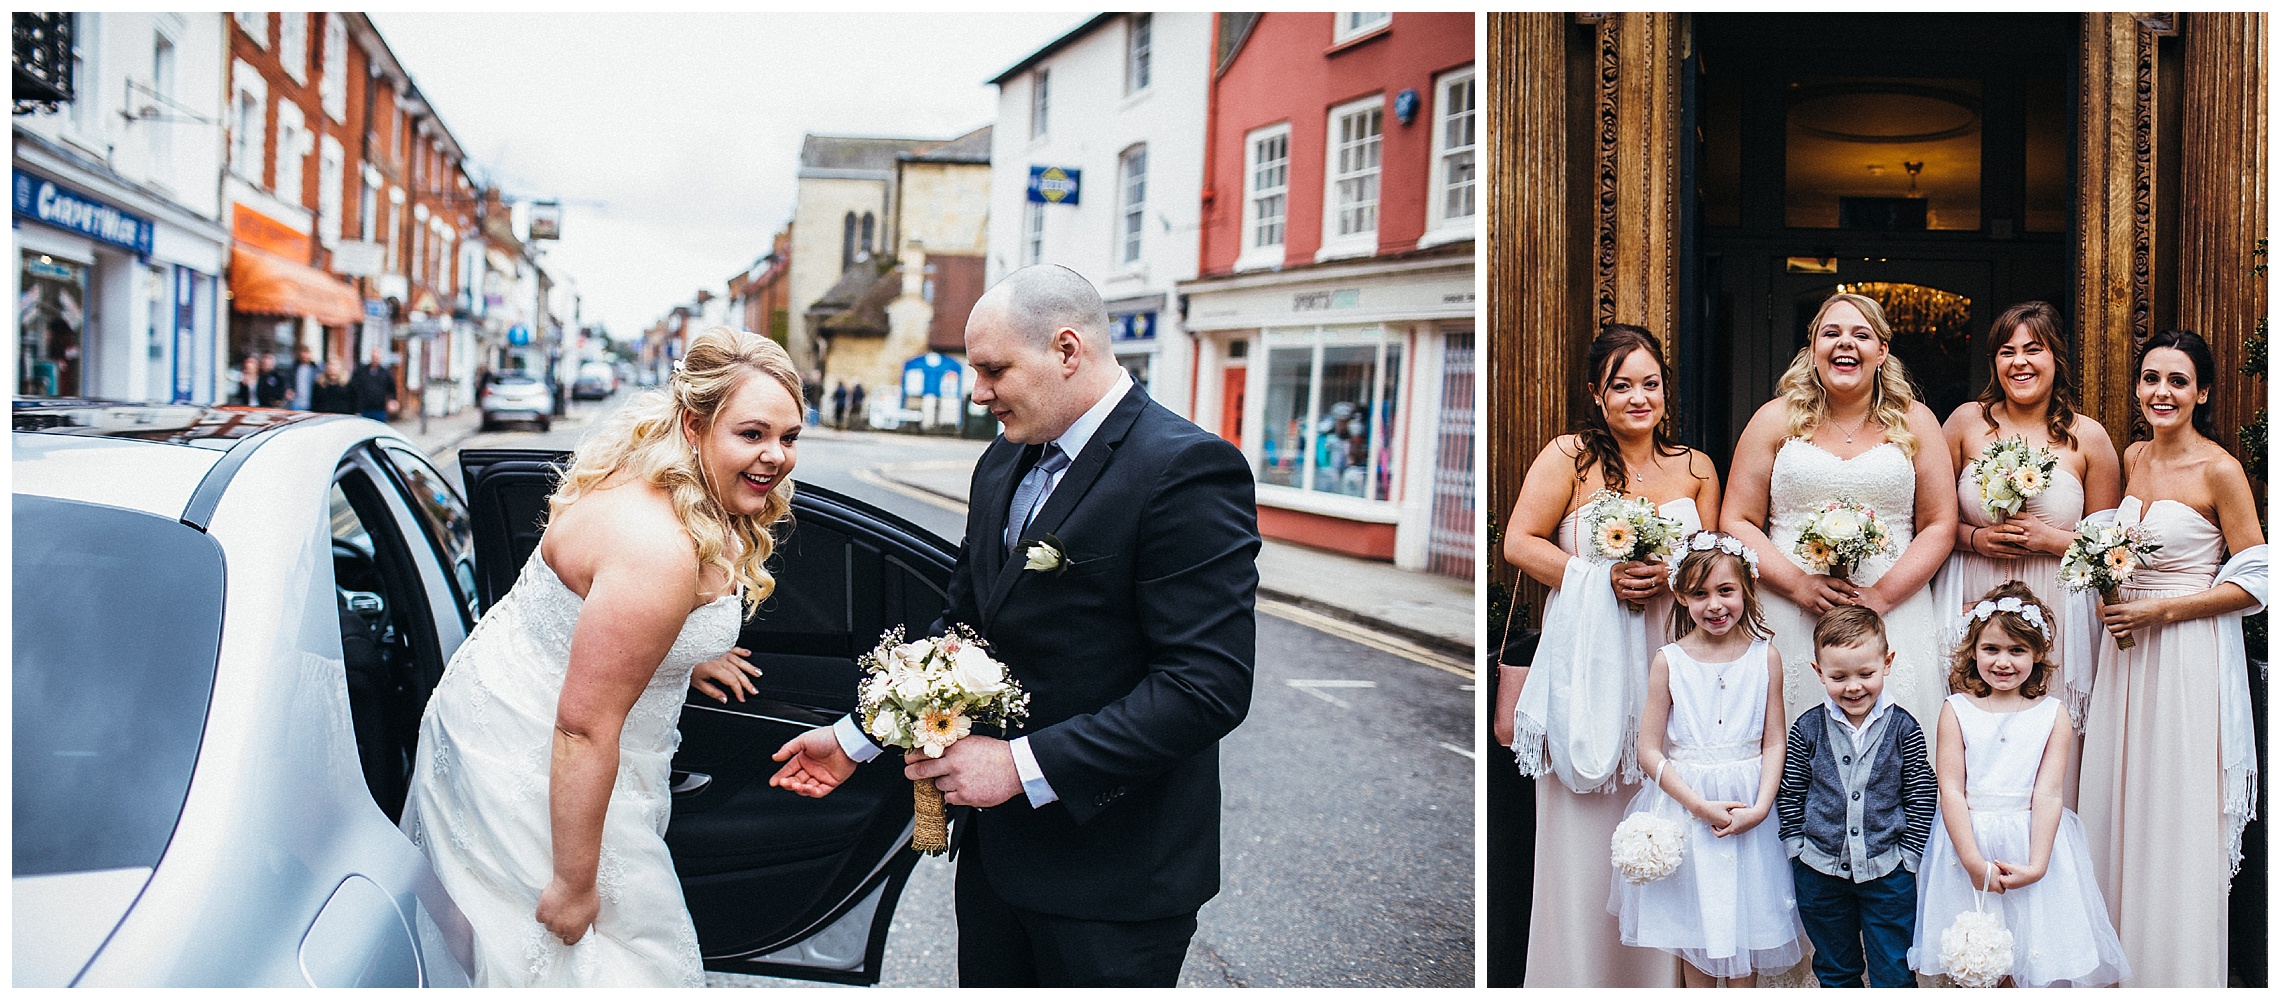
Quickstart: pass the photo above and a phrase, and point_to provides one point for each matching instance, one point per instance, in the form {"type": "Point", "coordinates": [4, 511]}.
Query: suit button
{"type": "Point", "coordinates": [1856, 796]}
{"type": "Point", "coordinates": [1848, 760]}
{"type": "Point", "coordinates": [1856, 831]}
{"type": "Point", "coordinates": [1846, 866]}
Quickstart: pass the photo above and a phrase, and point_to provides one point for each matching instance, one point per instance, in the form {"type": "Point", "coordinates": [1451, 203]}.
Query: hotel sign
{"type": "Point", "coordinates": [1054, 185]}
{"type": "Point", "coordinates": [61, 207]}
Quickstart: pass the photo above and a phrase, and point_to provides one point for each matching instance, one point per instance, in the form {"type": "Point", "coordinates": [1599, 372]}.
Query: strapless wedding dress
{"type": "Point", "coordinates": [478, 804]}
{"type": "Point", "coordinates": [1805, 477]}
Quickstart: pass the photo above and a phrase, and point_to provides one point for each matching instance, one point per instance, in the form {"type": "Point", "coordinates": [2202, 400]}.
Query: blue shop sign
{"type": "Point", "coordinates": [1054, 185]}
{"type": "Point", "coordinates": [1132, 326]}
{"type": "Point", "coordinates": [518, 335]}
{"type": "Point", "coordinates": [64, 208]}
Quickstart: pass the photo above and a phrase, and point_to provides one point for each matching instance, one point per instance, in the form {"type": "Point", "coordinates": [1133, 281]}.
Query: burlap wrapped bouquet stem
{"type": "Point", "coordinates": [931, 818]}
{"type": "Point", "coordinates": [2113, 595]}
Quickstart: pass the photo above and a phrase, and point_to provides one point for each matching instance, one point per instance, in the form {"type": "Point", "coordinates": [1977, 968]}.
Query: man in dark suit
{"type": "Point", "coordinates": [374, 387]}
{"type": "Point", "coordinates": [1096, 836]}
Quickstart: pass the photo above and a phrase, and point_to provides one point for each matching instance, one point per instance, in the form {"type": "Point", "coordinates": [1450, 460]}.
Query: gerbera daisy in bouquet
{"type": "Point", "coordinates": [1835, 539]}
{"type": "Point", "coordinates": [2010, 473]}
{"type": "Point", "coordinates": [2104, 557]}
{"type": "Point", "coordinates": [1626, 529]}
{"type": "Point", "coordinates": [927, 694]}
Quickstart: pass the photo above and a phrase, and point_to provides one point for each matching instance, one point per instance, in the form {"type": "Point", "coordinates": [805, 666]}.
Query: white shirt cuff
{"type": "Point", "coordinates": [852, 741]}
{"type": "Point", "coordinates": [1033, 783]}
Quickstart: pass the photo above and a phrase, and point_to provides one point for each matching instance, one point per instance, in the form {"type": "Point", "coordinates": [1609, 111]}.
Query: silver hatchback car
{"type": "Point", "coordinates": [227, 624]}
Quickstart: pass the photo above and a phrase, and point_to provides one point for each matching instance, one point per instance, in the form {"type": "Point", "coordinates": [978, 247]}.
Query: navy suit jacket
{"type": "Point", "coordinates": [1137, 658]}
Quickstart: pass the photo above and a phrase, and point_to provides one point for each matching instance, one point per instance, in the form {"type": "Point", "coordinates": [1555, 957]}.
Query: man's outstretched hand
{"type": "Point", "coordinates": [814, 764]}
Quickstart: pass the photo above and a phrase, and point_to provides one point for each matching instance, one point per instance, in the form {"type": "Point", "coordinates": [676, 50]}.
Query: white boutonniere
{"type": "Point", "coordinates": [1047, 555]}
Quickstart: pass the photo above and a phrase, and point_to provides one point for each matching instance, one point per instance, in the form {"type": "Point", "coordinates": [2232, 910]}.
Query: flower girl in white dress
{"type": "Point", "coordinates": [1713, 718]}
{"type": "Point", "coordinates": [2003, 827]}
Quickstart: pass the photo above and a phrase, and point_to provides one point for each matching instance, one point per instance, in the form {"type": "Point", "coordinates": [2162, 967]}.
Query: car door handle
{"type": "Point", "coordinates": [690, 782]}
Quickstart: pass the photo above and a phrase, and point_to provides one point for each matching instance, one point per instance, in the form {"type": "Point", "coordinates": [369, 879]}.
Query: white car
{"type": "Point", "coordinates": [516, 397]}
{"type": "Point", "coordinates": [227, 623]}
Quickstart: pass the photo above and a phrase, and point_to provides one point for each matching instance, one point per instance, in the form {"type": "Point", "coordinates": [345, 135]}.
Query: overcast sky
{"type": "Point", "coordinates": [673, 140]}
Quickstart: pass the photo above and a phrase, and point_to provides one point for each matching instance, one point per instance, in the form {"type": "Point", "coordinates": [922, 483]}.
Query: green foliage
{"type": "Point", "coordinates": [1500, 593]}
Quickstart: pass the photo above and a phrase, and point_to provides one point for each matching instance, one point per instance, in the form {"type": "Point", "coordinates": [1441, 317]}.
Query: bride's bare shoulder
{"type": "Point", "coordinates": [627, 523]}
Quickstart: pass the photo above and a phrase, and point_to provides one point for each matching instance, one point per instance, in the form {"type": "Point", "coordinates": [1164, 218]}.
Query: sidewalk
{"type": "Point", "coordinates": [1434, 612]}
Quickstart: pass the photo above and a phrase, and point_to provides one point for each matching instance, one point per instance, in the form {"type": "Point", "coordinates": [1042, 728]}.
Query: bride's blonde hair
{"type": "Point", "coordinates": [1888, 401]}
{"type": "Point", "coordinates": [644, 438]}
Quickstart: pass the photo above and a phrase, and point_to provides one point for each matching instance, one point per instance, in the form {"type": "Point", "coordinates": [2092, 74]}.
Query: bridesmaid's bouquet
{"type": "Point", "coordinates": [2010, 473]}
{"type": "Point", "coordinates": [928, 694]}
{"type": "Point", "coordinates": [1836, 538]}
{"type": "Point", "coordinates": [1626, 529]}
{"type": "Point", "coordinates": [2104, 558]}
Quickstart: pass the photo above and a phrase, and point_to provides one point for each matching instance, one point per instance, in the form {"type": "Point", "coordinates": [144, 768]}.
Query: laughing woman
{"type": "Point", "coordinates": [1847, 426]}
{"type": "Point", "coordinates": [2169, 755]}
{"type": "Point", "coordinates": [2029, 396]}
{"type": "Point", "coordinates": [1579, 712]}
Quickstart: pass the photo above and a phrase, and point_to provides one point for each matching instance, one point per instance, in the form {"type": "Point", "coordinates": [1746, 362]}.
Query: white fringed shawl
{"type": "Point", "coordinates": [1578, 714]}
{"type": "Point", "coordinates": [2236, 732]}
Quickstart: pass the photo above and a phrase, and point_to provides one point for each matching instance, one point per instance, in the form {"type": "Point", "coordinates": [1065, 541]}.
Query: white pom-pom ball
{"type": "Point", "coordinates": [1647, 847]}
{"type": "Point", "coordinates": [1976, 949]}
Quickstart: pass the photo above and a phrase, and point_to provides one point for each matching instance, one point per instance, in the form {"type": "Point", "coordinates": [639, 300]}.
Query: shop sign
{"type": "Point", "coordinates": [253, 229]}
{"type": "Point", "coordinates": [64, 208]}
{"type": "Point", "coordinates": [1054, 185]}
{"type": "Point", "coordinates": [1132, 326]}
{"type": "Point", "coordinates": [1342, 298]}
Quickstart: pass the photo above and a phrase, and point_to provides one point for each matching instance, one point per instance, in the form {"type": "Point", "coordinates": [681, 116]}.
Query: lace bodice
{"type": "Point", "coordinates": [1805, 476]}
{"type": "Point", "coordinates": [535, 621]}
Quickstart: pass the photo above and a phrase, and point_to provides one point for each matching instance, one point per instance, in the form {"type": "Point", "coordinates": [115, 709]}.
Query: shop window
{"type": "Point", "coordinates": [1455, 171]}
{"type": "Point", "coordinates": [1138, 366]}
{"type": "Point", "coordinates": [51, 314]}
{"type": "Point", "coordinates": [1330, 402]}
{"type": "Point", "coordinates": [1266, 197]}
{"type": "Point", "coordinates": [1350, 208]}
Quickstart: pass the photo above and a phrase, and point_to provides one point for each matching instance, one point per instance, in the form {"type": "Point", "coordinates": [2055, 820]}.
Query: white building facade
{"type": "Point", "coordinates": [1097, 165]}
{"type": "Point", "coordinates": [120, 244]}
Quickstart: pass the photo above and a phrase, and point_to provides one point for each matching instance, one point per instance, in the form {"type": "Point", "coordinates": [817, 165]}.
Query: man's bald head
{"type": "Point", "coordinates": [1041, 300]}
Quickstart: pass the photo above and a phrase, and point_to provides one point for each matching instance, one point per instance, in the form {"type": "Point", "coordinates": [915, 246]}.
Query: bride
{"type": "Point", "coordinates": [541, 791]}
{"type": "Point", "coordinates": [1847, 426]}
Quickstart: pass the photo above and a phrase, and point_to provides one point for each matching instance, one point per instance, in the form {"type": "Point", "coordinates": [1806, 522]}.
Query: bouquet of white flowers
{"type": "Point", "coordinates": [2010, 473]}
{"type": "Point", "coordinates": [928, 694]}
{"type": "Point", "coordinates": [2104, 558]}
{"type": "Point", "coordinates": [1647, 847]}
{"type": "Point", "coordinates": [1624, 529]}
{"type": "Point", "coordinates": [1834, 539]}
{"type": "Point", "coordinates": [1976, 948]}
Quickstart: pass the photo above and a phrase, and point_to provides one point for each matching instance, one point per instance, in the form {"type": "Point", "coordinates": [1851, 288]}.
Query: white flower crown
{"type": "Point", "coordinates": [1704, 541]}
{"type": "Point", "coordinates": [2032, 613]}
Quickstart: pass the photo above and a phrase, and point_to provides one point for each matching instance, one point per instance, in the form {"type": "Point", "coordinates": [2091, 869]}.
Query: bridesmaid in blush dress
{"type": "Point", "coordinates": [2169, 765]}
{"type": "Point", "coordinates": [2029, 394]}
{"type": "Point", "coordinates": [1623, 445]}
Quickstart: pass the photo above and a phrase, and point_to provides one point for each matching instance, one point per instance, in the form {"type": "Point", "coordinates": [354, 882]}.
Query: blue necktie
{"type": "Point", "coordinates": [1026, 496]}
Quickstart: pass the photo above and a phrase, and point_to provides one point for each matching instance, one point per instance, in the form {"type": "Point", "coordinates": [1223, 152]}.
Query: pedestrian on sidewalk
{"type": "Point", "coordinates": [302, 380]}
{"type": "Point", "coordinates": [270, 388]}
{"type": "Point", "coordinates": [332, 393]}
{"type": "Point", "coordinates": [839, 406]}
{"type": "Point", "coordinates": [855, 404]}
{"type": "Point", "coordinates": [374, 387]}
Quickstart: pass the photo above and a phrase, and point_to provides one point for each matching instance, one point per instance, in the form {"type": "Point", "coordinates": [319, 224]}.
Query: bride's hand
{"type": "Point", "coordinates": [1822, 593]}
{"type": "Point", "coordinates": [567, 911]}
{"type": "Point", "coordinates": [1637, 580]}
{"type": "Point", "coordinates": [731, 672]}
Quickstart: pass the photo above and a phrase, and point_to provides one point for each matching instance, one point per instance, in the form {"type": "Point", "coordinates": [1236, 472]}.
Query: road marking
{"type": "Point", "coordinates": [871, 477]}
{"type": "Point", "coordinates": [1356, 634]}
{"type": "Point", "coordinates": [1455, 749]}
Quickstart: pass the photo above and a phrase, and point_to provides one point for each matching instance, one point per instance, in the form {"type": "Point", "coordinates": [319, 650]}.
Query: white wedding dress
{"type": "Point", "coordinates": [1805, 477]}
{"type": "Point", "coordinates": [479, 794]}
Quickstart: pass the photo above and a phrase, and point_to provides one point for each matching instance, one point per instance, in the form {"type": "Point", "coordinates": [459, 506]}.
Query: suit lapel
{"type": "Point", "coordinates": [1075, 483]}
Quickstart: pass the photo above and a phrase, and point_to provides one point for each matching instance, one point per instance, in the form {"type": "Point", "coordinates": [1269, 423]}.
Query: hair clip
{"type": "Point", "coordinates": [2031, 613]}
{"type": "Point", "coordinates": [1704, 541]}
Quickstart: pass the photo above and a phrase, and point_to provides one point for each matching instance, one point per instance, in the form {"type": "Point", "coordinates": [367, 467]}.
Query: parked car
{"type": "Point", "coordinates": [206, 788]}
{"type": "Point", "coordinates": [517, 397]}
{"type": "Point", "coordinates": [596, 380]}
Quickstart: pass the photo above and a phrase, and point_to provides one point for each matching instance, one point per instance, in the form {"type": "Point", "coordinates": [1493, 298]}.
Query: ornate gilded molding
{"type": "Point", "coordinates": [2115, 203]}
{"type": "Point", "coordinates": [1635, 59]}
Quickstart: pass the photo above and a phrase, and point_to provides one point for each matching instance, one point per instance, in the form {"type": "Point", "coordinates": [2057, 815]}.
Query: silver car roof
{"type": "Point", "coordinates": [119, 472]}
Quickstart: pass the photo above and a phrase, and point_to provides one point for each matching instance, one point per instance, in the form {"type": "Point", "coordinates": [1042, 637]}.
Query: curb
{"type": "Point", "coordinates": [1441, 644]}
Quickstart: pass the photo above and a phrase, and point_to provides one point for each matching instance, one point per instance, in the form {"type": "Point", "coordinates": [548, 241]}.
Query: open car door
{"type": "Point", "coordinates": [779, 885]}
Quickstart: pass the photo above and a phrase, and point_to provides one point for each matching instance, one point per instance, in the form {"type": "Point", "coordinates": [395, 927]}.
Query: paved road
{"type": "Point", "coordinates": [1347, 835]}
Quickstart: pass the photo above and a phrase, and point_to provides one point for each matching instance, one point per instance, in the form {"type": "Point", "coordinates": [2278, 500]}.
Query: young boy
{"type": "Point", "coordinates": [1856, 803]}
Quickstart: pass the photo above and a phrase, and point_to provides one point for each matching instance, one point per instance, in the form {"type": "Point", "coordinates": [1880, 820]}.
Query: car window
{"type": "Point", "coordinates": [448, 527]}
{"type": "Point", "coordinates": [117, 634]}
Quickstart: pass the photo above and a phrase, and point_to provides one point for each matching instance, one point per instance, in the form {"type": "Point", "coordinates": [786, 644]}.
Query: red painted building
{"type": "Point", "coordinates": [1334, 306]}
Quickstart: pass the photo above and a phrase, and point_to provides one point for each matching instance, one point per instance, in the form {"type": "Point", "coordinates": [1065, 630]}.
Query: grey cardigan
{"type": "Point", "coordinates": [1856, 816]}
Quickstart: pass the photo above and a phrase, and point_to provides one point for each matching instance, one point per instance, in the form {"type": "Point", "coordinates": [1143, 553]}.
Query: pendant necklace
{"type": "Point", "coordinates": [1857, 428]}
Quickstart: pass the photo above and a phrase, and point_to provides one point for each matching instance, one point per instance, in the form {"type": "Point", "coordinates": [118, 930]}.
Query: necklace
{"type": "Point", "coordinates": [1857, 428]}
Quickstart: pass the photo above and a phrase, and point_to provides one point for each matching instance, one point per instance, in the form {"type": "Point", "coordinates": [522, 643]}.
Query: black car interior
{"type": "Point", "coordinates": [383, 627]}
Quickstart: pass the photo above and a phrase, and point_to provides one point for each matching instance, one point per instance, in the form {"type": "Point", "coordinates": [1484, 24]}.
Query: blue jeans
{"type": "Point", "coordinates": [1842, 916]}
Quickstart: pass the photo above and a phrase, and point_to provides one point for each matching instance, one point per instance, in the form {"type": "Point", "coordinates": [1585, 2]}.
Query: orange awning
{"type": "Point", "coordinates": [268, 285]}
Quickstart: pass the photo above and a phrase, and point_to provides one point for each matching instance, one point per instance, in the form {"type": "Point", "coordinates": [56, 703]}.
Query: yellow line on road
{"type": "Point", "coordinates": [1356, 634]}
{"type": "Point", "coordinates": [871, 477]}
